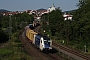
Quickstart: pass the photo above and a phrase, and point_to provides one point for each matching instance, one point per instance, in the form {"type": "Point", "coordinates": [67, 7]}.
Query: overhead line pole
{"type": "Point", "coordinates": [10, 27]}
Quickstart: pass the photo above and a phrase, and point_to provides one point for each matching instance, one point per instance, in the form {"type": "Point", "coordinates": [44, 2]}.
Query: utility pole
{"type": "Point", "coordinates": [67, 31]}
{"type": "Point", "coordinates": [85, 48]}
{"type": "Point", "coordinates": [68, 19]}
{"type": "Point", "coordinates": [10, 27]}
{"type": "Point", "coordinates": [16, 22]}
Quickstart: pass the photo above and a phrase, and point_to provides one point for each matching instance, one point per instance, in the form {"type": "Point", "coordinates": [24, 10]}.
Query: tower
{"type": "Point", "coordinates": [52, 8]}
{"type": "Point", "coordinates": [53, 5]}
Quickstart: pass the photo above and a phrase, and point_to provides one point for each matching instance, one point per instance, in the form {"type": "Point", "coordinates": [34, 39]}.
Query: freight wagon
{"type": "Point", "coordinates": [41, 42]}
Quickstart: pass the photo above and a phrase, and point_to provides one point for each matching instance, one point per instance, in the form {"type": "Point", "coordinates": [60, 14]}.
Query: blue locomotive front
{"type": "Point", "coordinates": [43, 42]}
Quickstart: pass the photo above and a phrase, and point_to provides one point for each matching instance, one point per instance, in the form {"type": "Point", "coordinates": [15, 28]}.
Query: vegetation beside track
{"type": "Point", "coordinates": [11, 27]}
{"type": "Point", "coordinates": [74, 33]}
{"type": "Point", "coordinates": [13, 49]}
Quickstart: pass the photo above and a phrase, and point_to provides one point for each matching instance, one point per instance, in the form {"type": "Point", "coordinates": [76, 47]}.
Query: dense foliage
{"type": "Point", "coordinates": [54, 23]}
{"type": "Point", "coordinates": [13, 23]}
{"type": "Point", "coordinates": [11, 47]}
{"type": "Point", "coordinates": [76, 32]}
{"type": "Point", "coordinates": [81, 24]}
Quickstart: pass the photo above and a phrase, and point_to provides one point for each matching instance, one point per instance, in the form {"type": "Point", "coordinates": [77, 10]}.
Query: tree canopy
{"type": "Point", "coordinates": [54, 21]}
{"type": "Point", "coordinates": [81, 23]}
{"type": "Point", "coordinates": [10, 24]}
{"type": "Point", "coordinates": [75, 31]}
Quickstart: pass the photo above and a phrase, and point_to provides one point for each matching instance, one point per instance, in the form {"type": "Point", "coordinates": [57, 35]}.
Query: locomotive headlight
{"type": "Point", "coordinates": [50, 47]}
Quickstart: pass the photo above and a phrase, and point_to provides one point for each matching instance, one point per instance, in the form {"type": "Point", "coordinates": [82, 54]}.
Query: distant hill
{"type": "Point", "coordinates": [41, 9]}
{"type": "Point", "coordinates": [70, 11]}
{"type": "Point", "coordinates": [3, 10]}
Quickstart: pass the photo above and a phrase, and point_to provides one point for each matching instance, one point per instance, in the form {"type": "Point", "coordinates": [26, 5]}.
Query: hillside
{"type": "Point", "coordinates": [3, 10]}
{"type": "Point", "coordinates": [41, 9]}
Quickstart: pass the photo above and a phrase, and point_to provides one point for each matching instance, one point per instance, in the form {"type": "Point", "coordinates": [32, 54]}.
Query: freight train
{"type": "Point", "coordinates": [40, 41]}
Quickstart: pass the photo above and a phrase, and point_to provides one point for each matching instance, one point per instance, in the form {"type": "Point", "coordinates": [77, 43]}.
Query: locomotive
{"type": "Point", "coordinates": [40, 41]}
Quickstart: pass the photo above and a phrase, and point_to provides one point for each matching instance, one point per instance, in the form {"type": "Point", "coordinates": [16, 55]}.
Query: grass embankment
{"type": "Point", "coordinates": [13, 49]}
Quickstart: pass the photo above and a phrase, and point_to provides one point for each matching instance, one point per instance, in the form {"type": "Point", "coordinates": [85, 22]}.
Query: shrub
{"type": "Point", "coordinates": [5, 52]}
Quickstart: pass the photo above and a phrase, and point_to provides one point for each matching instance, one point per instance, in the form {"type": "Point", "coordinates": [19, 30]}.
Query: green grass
{"type": "Point", "coordinates": [14, 50]}
{"type": "Point", "coordinates": [5, 51]}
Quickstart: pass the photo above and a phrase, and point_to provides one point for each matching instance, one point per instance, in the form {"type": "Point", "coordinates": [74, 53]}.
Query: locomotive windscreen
{"type": "Point", "coordinates": [46, 38]}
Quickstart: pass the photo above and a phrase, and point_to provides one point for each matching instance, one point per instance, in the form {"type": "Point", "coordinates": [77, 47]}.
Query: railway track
{"type": "Point", "coordinates": [36, 53]}
{"type": "Point", "coordinates": [68, 51]}
{"type": "Point", "coordinates": [73, 53]}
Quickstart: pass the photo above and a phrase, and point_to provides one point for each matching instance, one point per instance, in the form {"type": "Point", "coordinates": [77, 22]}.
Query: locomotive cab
{"type": "Point", "coordinates": [45, 43]}
{"type": "Point", "coordinates": [42, 42]}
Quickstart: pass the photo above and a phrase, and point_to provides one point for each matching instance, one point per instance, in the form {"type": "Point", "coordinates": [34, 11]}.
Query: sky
{"type": "Point", "coordinates": [22, 5]}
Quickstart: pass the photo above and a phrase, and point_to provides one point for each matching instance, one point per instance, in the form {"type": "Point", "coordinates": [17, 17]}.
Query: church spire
{"type": "Point", "coordinates": [53, 5]}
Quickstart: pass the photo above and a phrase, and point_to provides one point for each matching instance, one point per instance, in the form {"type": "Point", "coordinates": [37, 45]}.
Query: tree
{"type": "Point", "coordinates": [1, 16]}
{"type": "Point", "coordinates": [81, 3]}
{"type": "Point", "coordinates": [20, 20]}
{"type": "Point", "coordinates": [5, 21]}
{"type": "Point", "coordinates": [56, 23]}
{"type": "Point", "coordinates": [81, 22]}
{"type": "Point", "coordinates": [3, 35]}
{"type": "Point", "coordinates": [13, 23]}
{"type": "Point", "coordinates": [53, 24]}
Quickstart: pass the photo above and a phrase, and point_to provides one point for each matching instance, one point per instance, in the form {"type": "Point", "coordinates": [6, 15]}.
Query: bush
{"type": "Point", "coordinates": [5, 52]}
{"type": "Point", "coordinates": [4, 37]}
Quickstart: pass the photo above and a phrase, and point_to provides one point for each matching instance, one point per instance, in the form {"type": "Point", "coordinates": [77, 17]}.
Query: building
{"type": "Point", "coordinates": [51, 8]}
{"type": "Point", "coordinates": [67, 16]}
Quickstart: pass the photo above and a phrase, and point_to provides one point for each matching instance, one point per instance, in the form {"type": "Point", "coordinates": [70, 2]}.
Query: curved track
{"type": "Point", "coordinates": [71, 52]}
{"type": "Point", "coordinates": [52, 55]}
{"type": "Point", "coordinates": [35, 53]}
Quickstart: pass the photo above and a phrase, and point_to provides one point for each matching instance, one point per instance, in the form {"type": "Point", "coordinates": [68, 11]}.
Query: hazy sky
{"type": "Point", "coordinates": [21, 5]}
